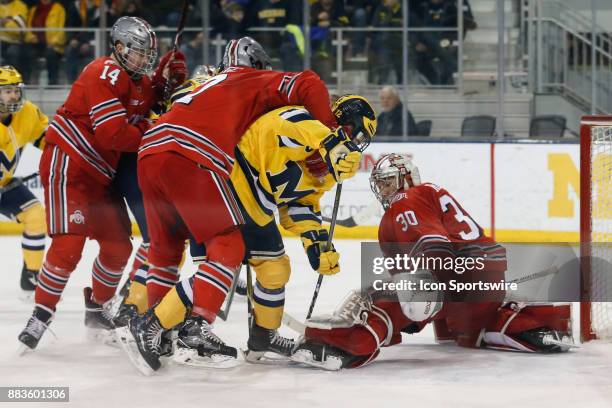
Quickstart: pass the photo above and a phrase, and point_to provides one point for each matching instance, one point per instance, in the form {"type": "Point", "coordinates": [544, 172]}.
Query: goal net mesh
{"type": "Point", "coordinates": [601, 231]}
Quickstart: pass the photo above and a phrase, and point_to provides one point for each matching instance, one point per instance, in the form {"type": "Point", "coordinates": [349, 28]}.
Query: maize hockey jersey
{"type": "Point", "coordinates": [270, 170]}
{"type": "Point", "coordinates": [207, 124]}
{"type": "Point", "coordinates": [26, 126]}
{"type": "Point", "coordinates": [102, 117]}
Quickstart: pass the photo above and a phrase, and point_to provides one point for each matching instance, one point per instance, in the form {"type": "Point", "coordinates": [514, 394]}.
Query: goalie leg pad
{"type": "Point", "coordinates": [531, 328]}
{"type": "Point", "coordinates": [362, 339]}
{"type": "Point", "coordinates": [269, 291]}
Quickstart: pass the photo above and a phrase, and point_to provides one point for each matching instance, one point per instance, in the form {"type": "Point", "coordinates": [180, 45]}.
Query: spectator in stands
{"type": "Point", "coordinates": [13, 14]}
{"type": "Point", "coordinates": [164, 12]}
{"type": "Point", "coordinates": [390, 120]}
{"type": "Point", "coordinates": [360, 15]}
{"type": "Point", "coordinates": [193, 51]}
{"type": "Point", "coordinates": [323, 15]}
{"type": "Point", "coordinates": [122, 8]}
{"type": "Point", "coordinates": [288, 45]}
{"type": "Point", "coordinates": [435, 52]}
{"type": "Point", "coordinates": [48, 14]}
{"type": "Point", "coordinates": [386, 50]}
{"type": "Point", "coordinates": [228, 19]}
{"type": "Point", "coordinates": [78, 50]}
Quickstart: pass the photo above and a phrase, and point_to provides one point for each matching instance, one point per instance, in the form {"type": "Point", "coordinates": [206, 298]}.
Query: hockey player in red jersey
{"type": "Point", "coordinates": [424, 220]}
{"type": "Point", "coordinates": [103, 116]}
{"type": "Point", "coordinates": [184, 166]}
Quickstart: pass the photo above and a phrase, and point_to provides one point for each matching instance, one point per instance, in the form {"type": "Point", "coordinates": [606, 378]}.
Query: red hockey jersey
{"type": "Point", "coordinates": [102, 117]}
{"type": "Point", "coordinates": [435, 224]}
{"type": "Point", "coordinates": [207, 124]}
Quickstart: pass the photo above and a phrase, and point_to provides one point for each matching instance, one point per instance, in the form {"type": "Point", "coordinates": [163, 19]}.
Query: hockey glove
{"type": "Point", "coordinates": [341, 156]}
{"type": "Point", "coordinates": [315, 243]}
{"type": "Point", "coordinates": [170, 73]}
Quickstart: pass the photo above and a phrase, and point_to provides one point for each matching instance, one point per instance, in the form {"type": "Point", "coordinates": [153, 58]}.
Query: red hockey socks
{"type": "Point", "coordinates": [210, 287]}
{"type": "Point", "coordinates": [159, 281]}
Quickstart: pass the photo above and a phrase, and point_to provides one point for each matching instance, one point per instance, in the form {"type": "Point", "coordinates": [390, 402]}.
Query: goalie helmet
{"type": "Point", "coordinates": [139, 42]}
{"type": "Point", "coordinates": [11, 80]}
{"type": "Point", "coordinates": [245, 52]}
{"type": "Point", "coordinates": [391, 173]}
{"type": "Point", "coordinates": [354, 113]}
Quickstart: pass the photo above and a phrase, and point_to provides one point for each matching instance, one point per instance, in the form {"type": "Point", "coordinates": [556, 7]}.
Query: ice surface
{"type": "Point", "coordinates": [418, 373]}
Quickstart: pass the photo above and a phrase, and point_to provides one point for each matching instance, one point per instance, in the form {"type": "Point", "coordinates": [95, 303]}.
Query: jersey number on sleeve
{"type": "Point", "coordinates": [217, 79]}
{"type": "Point", "coordinates": [474, 231]}
{"type": "Point", "coordinates": [406, 218]}
{"type": "Point", "coordinates": [113, 75]}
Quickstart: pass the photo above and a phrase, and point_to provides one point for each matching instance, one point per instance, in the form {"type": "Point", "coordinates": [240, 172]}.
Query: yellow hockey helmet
{"type": "Point", "coordinates": [11, 78]}
{"type": "Point", "coordinates": [355, 113]}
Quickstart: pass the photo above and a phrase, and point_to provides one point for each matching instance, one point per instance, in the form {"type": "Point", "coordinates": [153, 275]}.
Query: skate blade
{"type": "Point", "coordinates": [191, 357]}
{"type": "Point", "coordinates": [264, 357]}
{"type": "Point", "coordinates": [124, 337]}
{"type": "Point", "coordinates": [23, 350]}
{"type": "Point", "coordinates": [331, 363]}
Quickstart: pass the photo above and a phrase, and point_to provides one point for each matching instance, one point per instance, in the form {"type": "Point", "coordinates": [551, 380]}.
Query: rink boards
{"type": "Point", "coordinates": [524, 191]}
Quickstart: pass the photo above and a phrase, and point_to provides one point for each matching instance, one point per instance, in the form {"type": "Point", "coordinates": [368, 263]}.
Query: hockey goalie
{"type": "Point", "coordinates": [427, 220]}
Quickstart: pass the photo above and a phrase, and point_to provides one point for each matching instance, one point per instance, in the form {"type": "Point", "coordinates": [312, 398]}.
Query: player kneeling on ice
{"type": "Point", "coordinates": [275, 149]}
{"type": "Point", "coordinates": [424, 221]}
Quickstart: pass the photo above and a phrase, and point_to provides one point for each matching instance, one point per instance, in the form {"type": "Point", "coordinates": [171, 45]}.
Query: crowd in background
{"type": "Point", "coordinates": [62, 54]}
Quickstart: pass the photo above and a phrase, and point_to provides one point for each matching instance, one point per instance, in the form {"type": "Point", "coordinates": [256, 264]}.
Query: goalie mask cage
{"type": "Point", "coordinates": [596, 227]}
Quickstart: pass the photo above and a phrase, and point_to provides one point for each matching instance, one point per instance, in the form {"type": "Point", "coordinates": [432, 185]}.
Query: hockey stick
{"type": "Point", "coordinates": [536, 275]}
{"type": "Point", "coordinates": [249, 295]}
{"type": "Point", "coordinates": [16, 182]}
{"type": "Point", "coordinates": [177, 41]}
{"type": "Point", "coordinates": [293, 323]}
{"type": "Point", "coordinates": [332, 226]}
{"type": "Point", "coordinates": [181, 26]}
{"type": "Point", "coordinates": [224, 314]}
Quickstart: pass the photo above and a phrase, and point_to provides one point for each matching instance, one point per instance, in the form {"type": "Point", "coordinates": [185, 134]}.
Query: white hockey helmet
{"type": "Point", "coordinates": [245, 52]}
{"type": "Point", "coordinates": [391, 173]}
{"type": "Point", "coordinates": [139, 41]}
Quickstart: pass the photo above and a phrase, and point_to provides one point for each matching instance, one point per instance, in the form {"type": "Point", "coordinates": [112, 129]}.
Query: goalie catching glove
{"type": "Point", "coordinates": [341, 155]}
{"type": "Point", "coordinates": [322, 261]}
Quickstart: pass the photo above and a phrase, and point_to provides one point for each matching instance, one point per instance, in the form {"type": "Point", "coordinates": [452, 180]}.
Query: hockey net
{"type": "Point", "coordinates": [596, 227]}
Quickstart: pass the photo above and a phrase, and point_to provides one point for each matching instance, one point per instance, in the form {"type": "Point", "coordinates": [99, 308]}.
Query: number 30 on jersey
{"type": "Point", "coordinates": [406, 218]}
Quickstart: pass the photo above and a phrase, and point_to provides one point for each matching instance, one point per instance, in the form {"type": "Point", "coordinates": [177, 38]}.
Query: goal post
{"type": "Point", "coordinates": [596, 227]}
